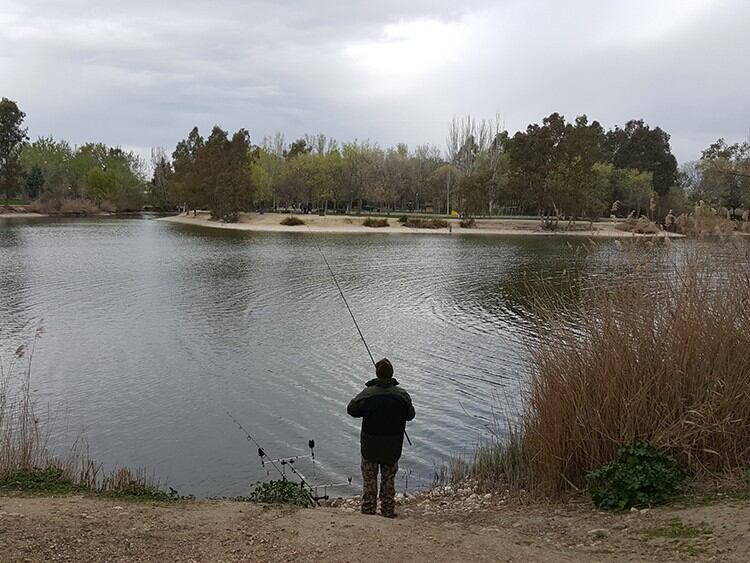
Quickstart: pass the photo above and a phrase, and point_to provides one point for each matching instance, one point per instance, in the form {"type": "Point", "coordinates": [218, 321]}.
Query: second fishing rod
{"type": "Point", "coordinates": [351, 313]}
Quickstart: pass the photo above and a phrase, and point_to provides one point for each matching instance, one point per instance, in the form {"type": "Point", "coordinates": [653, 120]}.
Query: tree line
{"type": "Point", "coordinates": [554, 169]}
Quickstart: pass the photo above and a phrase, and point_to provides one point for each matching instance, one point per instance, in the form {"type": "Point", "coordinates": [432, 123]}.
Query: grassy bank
{"type": "Point", "coordinates": [29, 464]}
{"type": "Point", "coordinates": [662, 359]}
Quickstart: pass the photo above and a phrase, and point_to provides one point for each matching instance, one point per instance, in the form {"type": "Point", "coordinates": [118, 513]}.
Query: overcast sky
{"type": "Point", "coordinates": [142, 73]}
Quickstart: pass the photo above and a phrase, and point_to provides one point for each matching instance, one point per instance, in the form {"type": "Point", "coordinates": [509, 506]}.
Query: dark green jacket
{"type": "Point", "coordinates": [384, 408]}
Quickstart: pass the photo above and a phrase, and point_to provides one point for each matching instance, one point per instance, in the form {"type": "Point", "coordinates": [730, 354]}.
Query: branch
{"type": "Point", "coordinates": [732, 172]}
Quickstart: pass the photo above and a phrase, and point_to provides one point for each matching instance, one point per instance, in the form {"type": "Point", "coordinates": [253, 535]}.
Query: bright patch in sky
{"type": "Point", "coordinates": [406, 50]}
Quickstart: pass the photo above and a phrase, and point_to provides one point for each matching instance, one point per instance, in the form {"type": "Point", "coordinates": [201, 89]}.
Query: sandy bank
{"type": "Point", "coordinates": [20, 215]}
{"type": "Point", "coordinates": [74, 528]}
{"type": "Point", "coordinates": [270, 222]}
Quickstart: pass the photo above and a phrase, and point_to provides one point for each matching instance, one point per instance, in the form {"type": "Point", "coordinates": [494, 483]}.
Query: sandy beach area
{"type": "Point", "coordinates": [20, 215]}
{"type": "Point", "coordinates": [271, 222]}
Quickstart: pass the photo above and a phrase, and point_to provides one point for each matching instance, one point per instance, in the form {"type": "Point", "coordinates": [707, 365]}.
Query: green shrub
{"type": "Point", "coordinates": [292, 221]}
{"type": "Point", "coordinates": [639, 475]}
{"type": "Point", "coordinates": [370, 222]}
{"type": "Point", "coordinates": [280, 492]}
{"type": "Point", "coordinates": [417, 223]}
{"type": "Point", "coordinates": [403, 219]}
{"type": "Point", "coordinates": [469, 223]}
{"type": "Point", "coordinates": [144, 493]}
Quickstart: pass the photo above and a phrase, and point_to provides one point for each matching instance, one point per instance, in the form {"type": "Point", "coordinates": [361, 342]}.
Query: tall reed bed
{"type": "Point", "coordinates": [661, 357]}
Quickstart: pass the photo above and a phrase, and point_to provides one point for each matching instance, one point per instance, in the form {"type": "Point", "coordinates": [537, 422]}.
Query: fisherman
{"type": "Point", "coordinates": [385, 408]}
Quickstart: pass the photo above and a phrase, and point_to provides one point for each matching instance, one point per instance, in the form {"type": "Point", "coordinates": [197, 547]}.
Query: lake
{"type": "Point", "coordinates": [153, 331]}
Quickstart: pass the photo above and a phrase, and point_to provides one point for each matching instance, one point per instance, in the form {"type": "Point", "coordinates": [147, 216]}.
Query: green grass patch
{"type": "Point", "coordinates": [675, 529]}
{"type": "Point", "coordinates": [14, 201]}
{"type": "Point", "coordinates": [280, 492]}
{"type": "Point", "coordinates": [145, 494]}
{"type": "Point", "coordinates": [55, 481]}
{"type": "Point", "coordinates": [51, 480]}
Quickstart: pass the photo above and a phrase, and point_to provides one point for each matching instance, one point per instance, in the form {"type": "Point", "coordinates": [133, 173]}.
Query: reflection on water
{"type": "Point", "coordinates": [153, 331]}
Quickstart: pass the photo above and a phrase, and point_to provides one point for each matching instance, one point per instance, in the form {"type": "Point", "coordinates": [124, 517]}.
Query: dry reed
{"type": "Point", "coordinates": [698, 225]}
{"type": "Point", "coordinates": [667, 363]}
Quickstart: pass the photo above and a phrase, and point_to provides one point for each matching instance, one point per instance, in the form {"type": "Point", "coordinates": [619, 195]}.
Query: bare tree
{"type": "Point", "coordinates": [468, 137]}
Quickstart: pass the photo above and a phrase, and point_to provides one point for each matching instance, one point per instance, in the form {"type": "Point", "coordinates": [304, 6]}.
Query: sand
{"type": "Point", "coordinates": [270, 222]}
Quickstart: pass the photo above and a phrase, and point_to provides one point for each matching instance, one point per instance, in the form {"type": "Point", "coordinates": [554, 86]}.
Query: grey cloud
{"type": "Point", "coordinates": [140, 74]}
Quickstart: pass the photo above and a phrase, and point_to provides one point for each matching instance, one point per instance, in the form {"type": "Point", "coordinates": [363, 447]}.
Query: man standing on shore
{"type": "Point", "coordinates": [385, 408]}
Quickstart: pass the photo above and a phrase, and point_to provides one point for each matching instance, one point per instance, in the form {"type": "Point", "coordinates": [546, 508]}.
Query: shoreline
{"type": "Point", "coordinates": [21, 215]}
{"type": "Point", "coordinates": [333, 224]}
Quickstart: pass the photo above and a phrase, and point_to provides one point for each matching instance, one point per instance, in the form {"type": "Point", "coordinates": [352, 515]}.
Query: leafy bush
{"type": "Point", "coordinates": [280, 492]}
{"type": "Point", "coordinates": [403, 219]}
{"type": "Point", "coordinates": [292, 221]}
{"type": "Point", "coordinates": [469, 223]}
{"type": "Point", "coordinates": [639, 475]}
{"type": "Point", "coordinates": [416, 223]}
{"type": "Point", "coordinates": [50, 205]}
{"type": "Point", "coordinates": [370, 222]}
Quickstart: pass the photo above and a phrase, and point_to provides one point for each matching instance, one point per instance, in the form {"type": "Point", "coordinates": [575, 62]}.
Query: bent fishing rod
{"type": "Point", "coordinates": [285, 462]}
{"type": "Point", "coordinates": [348, 308]}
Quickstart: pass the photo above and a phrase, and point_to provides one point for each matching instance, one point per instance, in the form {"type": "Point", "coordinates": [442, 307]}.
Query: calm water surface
{"type": "Point", "coordinates": [152, 331]}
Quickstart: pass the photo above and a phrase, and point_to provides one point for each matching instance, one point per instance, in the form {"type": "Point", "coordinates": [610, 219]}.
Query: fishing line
{"type": "Point", "coordinates": [341, 292]}
{"type": "Point", "coordinates": [348, 308]}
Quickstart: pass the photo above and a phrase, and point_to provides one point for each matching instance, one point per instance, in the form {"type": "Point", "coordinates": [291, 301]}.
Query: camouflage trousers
{"type": "Point", "coordinates": [387, 488]}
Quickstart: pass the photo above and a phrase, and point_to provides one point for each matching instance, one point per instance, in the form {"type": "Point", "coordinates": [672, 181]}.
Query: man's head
{"type": "Point", "coordinates": [384, 369]}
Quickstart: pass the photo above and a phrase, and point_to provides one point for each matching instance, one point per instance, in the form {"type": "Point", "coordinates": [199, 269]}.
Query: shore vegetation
{"type": "Point", "coordinates": [664, 364]}
{"type": "Point", "coordinates": [292, 221]}
{"type": "Point", "coordinates": [29, 465]}
{"type": "Point", "coordinates": [375, 223]}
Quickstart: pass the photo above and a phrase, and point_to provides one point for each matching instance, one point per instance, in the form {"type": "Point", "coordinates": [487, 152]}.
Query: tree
{"type": "Point", "coordinates": [12, 138]}
{"type": "Point", "coordinates": [690, 178]}
{"type": "Point", "coordinates": [233, 190]}
{"type": "Point", "coordinates": [725, 177]}
{"type": "Point", "coordinates": [532, 156]}
{"type": "Point", "coordinates": [158, 192]}
{"type": "Point", "coordinates": [34, 182]}
{"type": "Point", "coordinates": [54, 159]}
{"type": "Point", "coordinates": [298, 147]}
{"type": "Point", "coordinates": [184, 185]}
{"type": "Point", "coordinates": [642, 148]}
{"type": "Point", "coordinates": [633, 190]}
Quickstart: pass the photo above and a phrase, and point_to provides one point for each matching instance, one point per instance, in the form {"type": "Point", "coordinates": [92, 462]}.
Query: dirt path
{"type": "Point", "coordinates": [92, 529]}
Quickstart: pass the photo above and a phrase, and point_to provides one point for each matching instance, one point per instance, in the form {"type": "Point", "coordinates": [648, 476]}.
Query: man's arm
{"type": "Point", "coordinates": [410, 407]}
{"type": "Point", "coordinates": [356, 405]}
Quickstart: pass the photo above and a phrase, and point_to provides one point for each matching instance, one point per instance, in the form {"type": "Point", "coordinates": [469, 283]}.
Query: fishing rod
{"type": "Point", "coordinates": [341, 292]}
{"type": "Point", "coordinates": [348, 308]}
{"type": "Point", "coordinates": [310, 491]}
